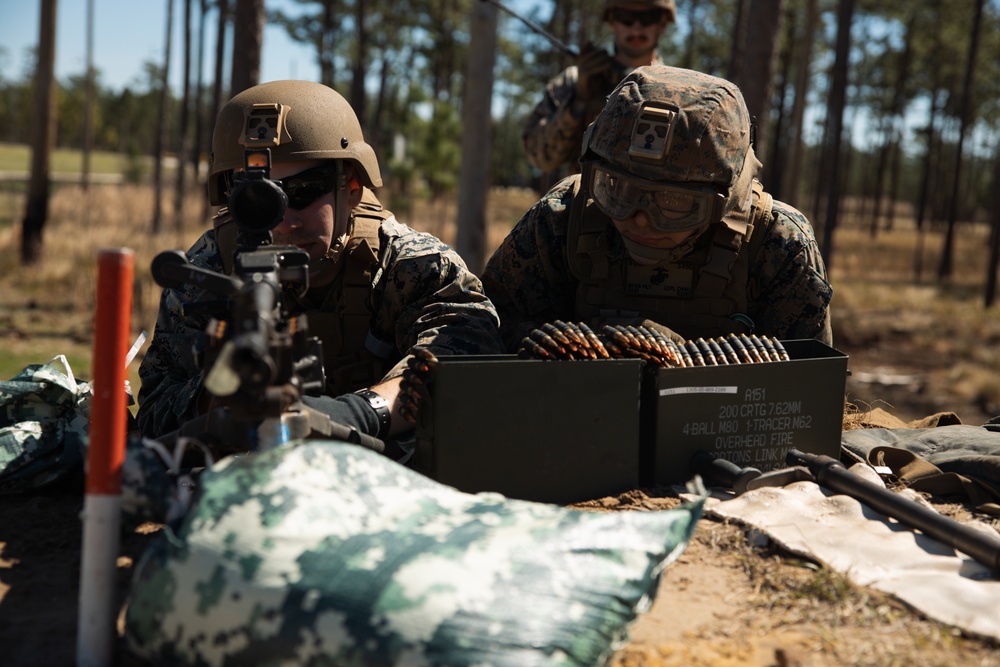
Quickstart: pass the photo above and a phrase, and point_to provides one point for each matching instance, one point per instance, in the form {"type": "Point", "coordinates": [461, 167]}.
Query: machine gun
{"type": "Point", "coordinates": [831, 473]}
{"type": "Point", "coordinates": [261, 360]}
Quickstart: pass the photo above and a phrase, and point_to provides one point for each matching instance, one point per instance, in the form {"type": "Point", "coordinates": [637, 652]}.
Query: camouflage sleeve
{"type": "Point", "coordinates": [425, 295]}
{"type": "Point", "coordinates": [553, 134]}
{"type": "Point", "coordinates": [790, 292]}
{"type": "Point", "coordinates": [171, 382]}
{"type": "Point", "coordinates": [528, 278]}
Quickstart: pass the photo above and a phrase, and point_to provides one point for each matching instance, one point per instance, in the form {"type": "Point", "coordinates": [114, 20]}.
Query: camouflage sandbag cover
{"type": "Point", "coordinates": [43, 426]}
{"type": "Point", "coordinates": [327, 553]}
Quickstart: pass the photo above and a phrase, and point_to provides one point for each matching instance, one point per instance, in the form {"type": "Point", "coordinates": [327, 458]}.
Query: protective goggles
{"type": "Point", "coordinates": [670, 207]}
{"type": "Point", "coordinates": [307, 186]}
{"type": "Point", "coordinates": [645, 17]}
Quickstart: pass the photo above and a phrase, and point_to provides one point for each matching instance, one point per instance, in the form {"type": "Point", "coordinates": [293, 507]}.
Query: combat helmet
{"type": "Point", "coordinates": [297, 120]}
{"type": "Point", "coordinates": [667, 6]}
{"type": "Point", "coordinates": [671, 134]}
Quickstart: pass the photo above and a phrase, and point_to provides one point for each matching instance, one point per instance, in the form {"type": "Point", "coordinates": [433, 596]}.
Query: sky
{"type": "Point", "coordinates": [128, 33]}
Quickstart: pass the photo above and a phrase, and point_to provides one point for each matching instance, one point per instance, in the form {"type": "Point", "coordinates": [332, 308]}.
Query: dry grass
{"type": "Point", "coordinates": [937, 336]}
{"type": "Point", "coordinates": [47, 309]}
{"type": "Point", "coordinates": [916, 346]}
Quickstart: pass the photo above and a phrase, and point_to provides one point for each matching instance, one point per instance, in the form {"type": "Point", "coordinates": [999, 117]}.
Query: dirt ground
{"type": "Point", "coordinates": [722, 603]}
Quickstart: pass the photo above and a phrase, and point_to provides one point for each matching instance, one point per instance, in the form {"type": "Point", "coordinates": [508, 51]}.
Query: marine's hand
{"type": "Point", "coordinates": [594, 69]}
{"type": "Point", "coordinates": [648, 324]}
{"type": "Point", "coordinates": [666, 331]}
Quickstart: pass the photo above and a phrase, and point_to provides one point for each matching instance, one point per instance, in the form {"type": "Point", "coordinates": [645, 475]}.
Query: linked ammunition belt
{"type": "Point", "coordinates": [568, 340]}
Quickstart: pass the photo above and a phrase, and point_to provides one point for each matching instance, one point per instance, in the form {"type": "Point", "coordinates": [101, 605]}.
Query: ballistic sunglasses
{"type": "Point", "coordinates": [645, 17]}
{"type": "Point", "coordinates": [671, 207]}
{"type": "Point", "coordinates": [307, 186]}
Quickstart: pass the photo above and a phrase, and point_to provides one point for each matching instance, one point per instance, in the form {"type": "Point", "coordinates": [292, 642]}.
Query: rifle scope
{"type": "Point", "coordinates": [257, 203]}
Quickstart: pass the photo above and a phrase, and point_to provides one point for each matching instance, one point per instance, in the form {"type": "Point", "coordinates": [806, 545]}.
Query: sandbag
{"type": "Point", "coordinates": [326, 553]}
{"type": "Point", "coordinates": [44, 413]}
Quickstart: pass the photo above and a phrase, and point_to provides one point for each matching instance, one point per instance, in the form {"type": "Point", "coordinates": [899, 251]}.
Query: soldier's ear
{"type": "Point", "coordinates": [354, 192]}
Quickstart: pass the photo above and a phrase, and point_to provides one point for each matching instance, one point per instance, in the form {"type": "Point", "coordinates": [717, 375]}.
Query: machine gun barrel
{"type": "Point", "coordinates": [831, 473]}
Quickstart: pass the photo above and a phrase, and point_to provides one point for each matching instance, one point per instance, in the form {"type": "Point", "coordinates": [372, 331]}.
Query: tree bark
{"type": "Point", "coordinates": [947, 253]}
{"type": "Point", "coordinates": [792, 175]}
{"type": "Point", "coordinates": [756, 78]}
{"type": "Point", "coordinates": [199, 110]}
{"type": "Point", "coordinates": [217, 90]}
{"type": "Point", "coordinates": [43, 138]}
{"type": "Point", "coordinates": [476, 137]}
{"type": "Point", "coordinates": [182, 130]}
{"type": "Point", "coordinates": [88, 106]}
{"type": "Point", "coordinates": [162, 137]}
{"type": "Point", "coordinates": [994, 260]}
{"type": "Point", "coordinates": [835, 124]}
{"type": "Point", "coordinates": [739, 42]}
{"type": "Point", "coordinates": [248, 41]}
{"type": "Point", "coordinates": [360, 73]}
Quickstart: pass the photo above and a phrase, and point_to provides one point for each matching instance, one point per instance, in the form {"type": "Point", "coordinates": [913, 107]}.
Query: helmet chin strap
{"type": "Point", "coordinates": [320, 269]}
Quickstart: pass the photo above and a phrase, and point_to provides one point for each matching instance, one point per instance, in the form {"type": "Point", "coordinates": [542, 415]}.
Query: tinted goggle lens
{"type": "Point", "coordinates": [307, 186]}
{"type": "Point", "coordinates": [670, 208]}
{"type": "Point", "coordinates": [645, 17]}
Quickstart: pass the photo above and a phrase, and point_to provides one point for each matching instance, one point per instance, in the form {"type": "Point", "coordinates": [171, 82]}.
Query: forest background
{"type": "Point", "coordinates": [878, 119]}
{"type": "Point", "coordinates": [886, 100]}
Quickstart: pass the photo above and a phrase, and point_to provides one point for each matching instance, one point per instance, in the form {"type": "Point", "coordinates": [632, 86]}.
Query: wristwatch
{"type": "Point", "coordinates": [381, 408]}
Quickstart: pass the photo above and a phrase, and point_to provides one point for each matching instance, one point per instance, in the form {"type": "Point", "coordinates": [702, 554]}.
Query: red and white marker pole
{"type": "Point", "coordinates": [106, 452]}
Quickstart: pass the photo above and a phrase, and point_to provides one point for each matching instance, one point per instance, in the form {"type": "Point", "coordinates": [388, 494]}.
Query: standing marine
{"type": "Point", "coordinates": [574, 97]}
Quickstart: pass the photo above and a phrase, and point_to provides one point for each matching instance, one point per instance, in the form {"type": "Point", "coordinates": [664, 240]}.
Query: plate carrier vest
{"type": "Point", "coordinates": [352, 357]}
{"type": "Point", "coordinates": [703, 294]}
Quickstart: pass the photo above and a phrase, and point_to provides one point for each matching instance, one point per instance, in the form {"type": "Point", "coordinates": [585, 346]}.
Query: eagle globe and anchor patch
{"type": "Point", "coordinates": [673, 281]}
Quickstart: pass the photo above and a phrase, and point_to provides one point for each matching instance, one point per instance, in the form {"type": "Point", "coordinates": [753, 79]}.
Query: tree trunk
{"type": "Point", "coordinates": [358, 96]}
{"type": "Point", "coordinates": [739, 41]}
{"type": "Point", "coordinates": [945, 268]}
{"type": "Point", "coordinates": [248, 41]}
{"type": "Point", "coordinates": [88, 105]}
{"type": "Point", "coordinates": [217, 90]}
{"type": "Point", "coordinates": [182, 131]}
{"type": "Point", "coordinates": [994, 261]}
{"type": "Point", "coordinates": [43, 138]}
{"type": "Point", "coordinates": [835, 125]}
{"type": "Point", "coordinates": [220, 59]}
{"type": "Point", "coordinates": [199, 89]}
{"type": "Point", "coordinates": [756, 79]}
{"type": "Point", "coordinates": [162, 137]}
{"type": "Point", "coordinates": [687, 60]}
{"type": "Point", "coordinates": [476, 137]}
{"type": "Point", "coordinates": [327, 65]}
{"type": "Point", "coordinates": [803, 58]}
{"type": "Point", "coordinates": [773, 156]}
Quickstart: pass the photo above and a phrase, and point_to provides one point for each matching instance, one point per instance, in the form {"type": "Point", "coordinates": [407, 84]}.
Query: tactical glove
{"type": "Point", "coordinates": [666, 331]}
{"type": "Point", "coordinates": [649, 324]}
{"type": "Point", "coordinates": [595, 74]}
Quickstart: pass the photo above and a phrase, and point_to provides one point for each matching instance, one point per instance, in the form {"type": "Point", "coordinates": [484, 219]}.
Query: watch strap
{"type": "Point", "coordinates": [381, 408]}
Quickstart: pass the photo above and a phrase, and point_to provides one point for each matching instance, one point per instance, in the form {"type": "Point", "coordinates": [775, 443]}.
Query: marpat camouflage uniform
{"type": "Point", "coordinates": [422, 293]}
{"type": "Point", "coordinates": [529, 281]}
{"type": "Point", "coordinates": [554, 132]}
